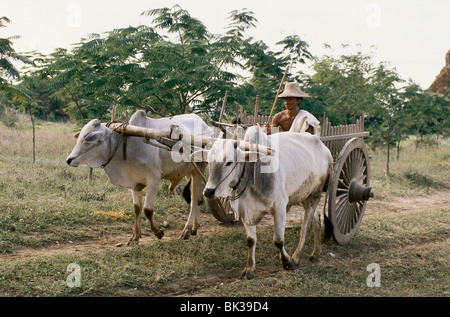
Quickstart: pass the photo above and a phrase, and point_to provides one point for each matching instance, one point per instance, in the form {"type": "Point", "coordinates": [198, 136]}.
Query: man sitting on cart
{"type": "Point", "coordinates": [293, 119]}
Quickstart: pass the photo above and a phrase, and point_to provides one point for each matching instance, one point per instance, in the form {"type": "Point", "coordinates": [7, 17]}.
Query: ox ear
{"type": "Point", "coordinates": [76, 135]}
{"type": "Point", "coordinates": [200, 156]}
{"type": "Point", "coordinates": [93, 136]}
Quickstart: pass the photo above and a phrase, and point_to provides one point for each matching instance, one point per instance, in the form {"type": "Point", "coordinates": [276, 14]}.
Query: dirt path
{"type": "Point", "coordinates": [211, 226]}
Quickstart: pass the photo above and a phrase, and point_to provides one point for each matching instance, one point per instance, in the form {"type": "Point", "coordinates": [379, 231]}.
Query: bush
{"type": "Point", "coordinates": [9, 117]}
{"type": "Point", "coordinates": [419, 179]}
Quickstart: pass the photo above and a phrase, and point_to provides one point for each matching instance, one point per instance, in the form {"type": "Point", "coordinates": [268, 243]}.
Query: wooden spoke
{"type": "Point", "coordinates": [351, 166]}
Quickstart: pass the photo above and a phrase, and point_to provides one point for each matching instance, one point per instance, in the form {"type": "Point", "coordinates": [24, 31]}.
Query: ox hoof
{"type": "Point", "coordinates": [185, 235]}
{"type": "Point", "coordinates": [248, 275]}
{"type": "Point", "coordinates": [290, 265]}
{"type": "Point", "coordinates": [313, 259]}
{"type": "Point", "coordinates": [134, 239]}
{"type": "Point", "coordinates": [160, 234]}
{"type": "Point", "coordinates": [132, 242]}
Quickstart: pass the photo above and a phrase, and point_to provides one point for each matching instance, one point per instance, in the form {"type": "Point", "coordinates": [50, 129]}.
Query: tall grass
{"type": "Point", "coordinates": [417, 172]}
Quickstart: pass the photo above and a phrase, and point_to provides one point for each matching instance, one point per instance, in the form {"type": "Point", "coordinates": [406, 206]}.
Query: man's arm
{"type": "Point", "coordinates": [275, 123]}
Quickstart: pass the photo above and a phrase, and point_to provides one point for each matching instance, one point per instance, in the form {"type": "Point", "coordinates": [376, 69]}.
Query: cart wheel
{"type": "Point", "coordinates": [221, 209]}
{"type": "Point", "coordinates": [349, 190]}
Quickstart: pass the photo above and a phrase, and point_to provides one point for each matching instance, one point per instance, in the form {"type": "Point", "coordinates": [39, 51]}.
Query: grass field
{"type": "Point", "coordinates": [52, 215]}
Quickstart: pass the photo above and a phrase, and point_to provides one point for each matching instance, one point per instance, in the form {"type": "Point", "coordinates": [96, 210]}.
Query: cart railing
{"type": "Point", "coordinates": [335, 137]}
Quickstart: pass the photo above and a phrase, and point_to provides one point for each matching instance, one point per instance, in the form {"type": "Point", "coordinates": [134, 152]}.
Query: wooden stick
{"type": "Point", "coordinates": [113, 114]}
{"type": "Point", "coordinates": [198, 170]}
{"type": "Point", "coordinates": [276, 97]}
{"type": "Point", "coordinates": [256, 110]}
{"type": "Point", "coordinates": [223, 106]}
{"type": "Point", "coordinates": [322, 131]}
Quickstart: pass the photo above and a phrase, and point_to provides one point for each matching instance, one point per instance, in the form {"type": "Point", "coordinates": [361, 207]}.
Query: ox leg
{"type": "Point", "coordinates": [137, 203]}
{"type": "Point", "coordinates": [316, 228]}
{"type": "Point", "coordinates": [278, 238]}
{"type": "Point", "coordinates": [193, 221]}
{"type": "Point", "coordinates": [311, 215]}
{"type": "Point", "coordinates": [149, 208]}
{"type": "Point", "coordinates": [249, 270]}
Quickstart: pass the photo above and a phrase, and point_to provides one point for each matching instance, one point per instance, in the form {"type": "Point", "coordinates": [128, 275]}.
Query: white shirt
{"type": "Point", "coordinates": [303, 120]}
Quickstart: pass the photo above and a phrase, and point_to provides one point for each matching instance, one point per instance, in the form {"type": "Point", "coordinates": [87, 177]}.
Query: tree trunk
{"type": "Point", "coordinates": [78, 106]}
{"type": "Point", "coordinates": [398, 146]}
{"type": "Point", "coordinates": [387, 158]}
{"type": "Point", "coordinates": [388, 148]}
{"type": "Point", "coordinates": [34, 138]}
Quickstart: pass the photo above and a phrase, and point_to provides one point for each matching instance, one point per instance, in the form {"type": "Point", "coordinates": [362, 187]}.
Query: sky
{"type": "Point", "coordinates": [412, 35]}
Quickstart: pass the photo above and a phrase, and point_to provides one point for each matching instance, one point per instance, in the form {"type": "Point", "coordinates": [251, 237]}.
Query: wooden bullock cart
{"type": "Point", "coordinates": [348, 185]}
{"type": "Point", "coordinates": [347, 188]}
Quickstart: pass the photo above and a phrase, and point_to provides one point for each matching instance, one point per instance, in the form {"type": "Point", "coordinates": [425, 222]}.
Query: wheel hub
{"type": "Point", "coordinates": [359, 192]}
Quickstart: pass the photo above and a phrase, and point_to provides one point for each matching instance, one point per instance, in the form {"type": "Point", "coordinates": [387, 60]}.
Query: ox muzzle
{"type": "Point", "coordinates": [209, 192]}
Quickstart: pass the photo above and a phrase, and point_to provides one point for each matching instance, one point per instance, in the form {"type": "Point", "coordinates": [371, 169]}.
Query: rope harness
{"type": "Point", "coordinates": [122, 139]}
{"type": "Point", "coordinates": [235, 187]}
{"type": "Point", "coordinates": [236, 196]}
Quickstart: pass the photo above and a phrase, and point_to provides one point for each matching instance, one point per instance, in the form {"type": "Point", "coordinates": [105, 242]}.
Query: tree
{"type": "Point", "coordinates": [342, 85]}
{"type": "Point", "coordinates": [417, 114]}
{"type": "Point", "coordinates": [173, 66]}
{"type": "Point", "coordinates": [9, 72]}
{"type": "Point", "coordinates": [440, 113]}
{"type": "Point", "coordinates": [266, 67]}
{"type": "Point", "coordinates": [8, 56]}
{"type": "Point", "coordinates": [388, 104]}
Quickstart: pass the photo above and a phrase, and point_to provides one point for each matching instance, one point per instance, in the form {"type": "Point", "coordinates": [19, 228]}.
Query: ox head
{"type": "Point", "coordinates": [225, 162]}
{"type": "Point", "coordinates": [90, 148]}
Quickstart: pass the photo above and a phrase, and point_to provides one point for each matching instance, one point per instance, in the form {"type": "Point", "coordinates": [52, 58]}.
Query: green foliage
{"type": "Point", "coordinates": [342, 86]}
{"type": "Point", "coordinates": [173, 66]}
{"type": "Point", "coordinates": [8, 55]}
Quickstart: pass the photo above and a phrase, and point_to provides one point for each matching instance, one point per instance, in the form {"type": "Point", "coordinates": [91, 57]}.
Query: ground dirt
{"type": "Point", "coordinates": [210, 226]}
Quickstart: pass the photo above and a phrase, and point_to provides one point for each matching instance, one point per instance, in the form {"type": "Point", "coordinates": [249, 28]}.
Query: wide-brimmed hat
{"type": "Point", "coordinates": [293, 90]}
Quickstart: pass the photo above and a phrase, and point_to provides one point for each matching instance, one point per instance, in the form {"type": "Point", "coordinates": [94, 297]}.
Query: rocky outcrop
{"type": "Point", "coordinates": [442, 81]}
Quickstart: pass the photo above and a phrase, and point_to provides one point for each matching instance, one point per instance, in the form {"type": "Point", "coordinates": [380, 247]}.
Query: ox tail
{"type": "Point", "coordinates": [187, 192]}
{"type": "Point", "coordinates": [328, 230]}
{"type": "Point", "coordinates": [327, 222]}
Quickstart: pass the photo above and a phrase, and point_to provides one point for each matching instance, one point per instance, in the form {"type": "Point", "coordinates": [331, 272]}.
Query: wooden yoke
{"type": "Point", "coordinates": [175, 134]}
{"type": "Point", "coordinates": [131, 130]}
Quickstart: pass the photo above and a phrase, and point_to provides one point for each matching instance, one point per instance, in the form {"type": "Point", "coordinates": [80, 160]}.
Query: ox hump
{"type": "Point", "coordinates": [139, 118]}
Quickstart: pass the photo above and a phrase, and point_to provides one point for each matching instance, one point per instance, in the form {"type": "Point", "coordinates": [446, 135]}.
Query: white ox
{"type": "Point", "coordinates": [144, 165]}
{"type": "Point", "coordinates": [300, 167]}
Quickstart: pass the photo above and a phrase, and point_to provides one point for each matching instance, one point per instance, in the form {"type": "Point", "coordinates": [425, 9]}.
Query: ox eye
{"type": "Point", "coordinates": [228, 163]}
{"type": "Point", "coordinates": [93, 136]}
